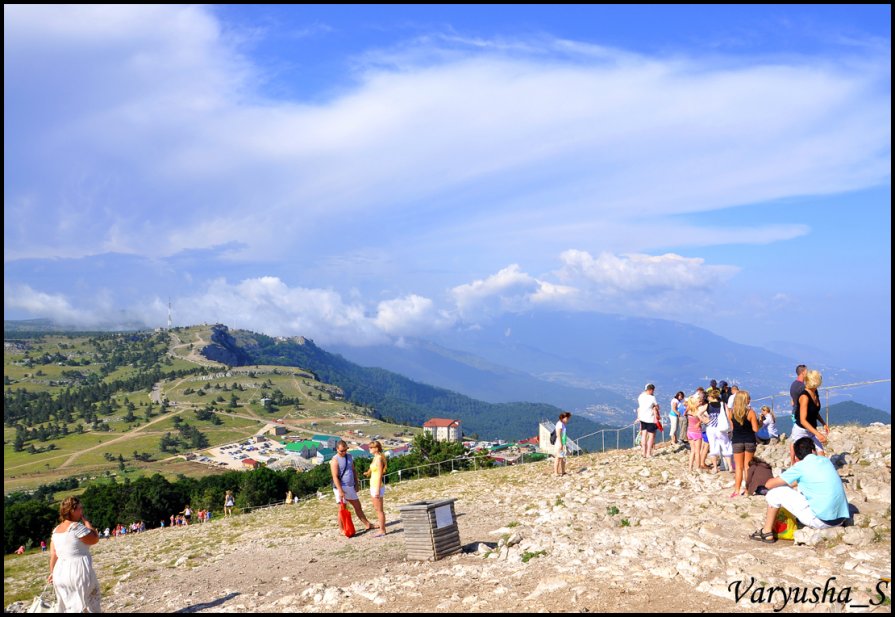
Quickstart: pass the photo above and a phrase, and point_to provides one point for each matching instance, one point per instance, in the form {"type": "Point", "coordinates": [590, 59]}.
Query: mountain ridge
{"type": "Point", "coordinates": [392, 396]}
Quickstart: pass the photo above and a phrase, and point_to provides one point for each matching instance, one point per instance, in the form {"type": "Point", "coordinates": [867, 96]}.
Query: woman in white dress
{"type": "Point", "coordinates": [71, 567]}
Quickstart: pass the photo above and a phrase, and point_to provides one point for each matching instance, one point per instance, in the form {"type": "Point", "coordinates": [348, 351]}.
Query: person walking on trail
{"type": "Point", "coordinates": [228, 503]}
{"type": "Point", "coordinates": [648, 414]}
{"type": "Point", "coordinates": [561, 445]}
{"type": "Point", "coordinates": [345, 481]}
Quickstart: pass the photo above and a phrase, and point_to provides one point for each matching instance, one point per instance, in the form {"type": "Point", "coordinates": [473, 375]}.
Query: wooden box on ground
{"type": "Point", "coordinates": [430, 529]}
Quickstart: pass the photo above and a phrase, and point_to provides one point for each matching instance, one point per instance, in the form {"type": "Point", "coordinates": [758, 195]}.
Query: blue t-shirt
{"type": "Point", "coordinates": [675, 409]}
{"type": "Point", "coordinates": [821, 486]}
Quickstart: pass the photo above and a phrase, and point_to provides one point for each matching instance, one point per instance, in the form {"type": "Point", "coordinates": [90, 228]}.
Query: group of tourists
{"type": "Point", "coordinates": [720, 425]}
{"type": "Point", "coordinates": [122, 530]}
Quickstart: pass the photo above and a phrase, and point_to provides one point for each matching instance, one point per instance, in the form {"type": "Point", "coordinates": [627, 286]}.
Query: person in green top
{"type": "Point", "coordinates": [559, 465]}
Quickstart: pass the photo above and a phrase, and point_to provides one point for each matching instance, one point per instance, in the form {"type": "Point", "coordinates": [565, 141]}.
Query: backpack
{"type": "Point", "coordinates": [553, 437]}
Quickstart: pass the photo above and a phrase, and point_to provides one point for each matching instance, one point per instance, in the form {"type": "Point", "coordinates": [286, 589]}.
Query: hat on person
{"type": "Point", "coordinates": [713, 383]}
{"type": "Point", "coordinates": [723, 384]}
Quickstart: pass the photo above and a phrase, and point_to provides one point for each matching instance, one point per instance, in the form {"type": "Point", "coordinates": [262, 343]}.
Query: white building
{"type": "Point", "coordinates": [443, 429]}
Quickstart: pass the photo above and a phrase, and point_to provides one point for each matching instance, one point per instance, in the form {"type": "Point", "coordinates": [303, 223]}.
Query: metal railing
{"type": "Point", "coordinates": [824, 389]}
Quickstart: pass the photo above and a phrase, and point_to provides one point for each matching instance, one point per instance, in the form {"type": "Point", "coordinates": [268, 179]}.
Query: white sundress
{"type": "Point", "coordinates": [75, 582]}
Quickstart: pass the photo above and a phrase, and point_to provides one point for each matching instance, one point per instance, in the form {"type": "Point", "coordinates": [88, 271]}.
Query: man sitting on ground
{"type": "Point", "coordinates": [818, 503]}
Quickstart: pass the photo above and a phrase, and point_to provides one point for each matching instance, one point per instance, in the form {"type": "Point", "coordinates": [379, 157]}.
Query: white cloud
{"type": "Point", "coordinates": [637, 283]}
{"type": "Point", "coordinates": [410, 315]}
{"type": "Point", "coordinates": [508, 290]}
{"type": "Point", "coordinates": [613, 274]}
{"type": "Point", "coordinates": [263, 304]}
{"type": "Point", "coordinates": [45, 305]}
{"type": "Point", "coordinates": [268, 305]}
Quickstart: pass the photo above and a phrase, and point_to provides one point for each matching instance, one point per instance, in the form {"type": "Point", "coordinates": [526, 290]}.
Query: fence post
{"type": "Point", "coordinates": [828, 407]}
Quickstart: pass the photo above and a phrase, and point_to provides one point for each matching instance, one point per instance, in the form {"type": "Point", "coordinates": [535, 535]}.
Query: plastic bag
{"type": "Point", "coordinates": [345, 521]}
{"type": "Point", "coordinates": [723, 422]}
{"type": "Point", "coordinates": [785, 524]}
{"type": "Point", "coordinates": [39, 605]}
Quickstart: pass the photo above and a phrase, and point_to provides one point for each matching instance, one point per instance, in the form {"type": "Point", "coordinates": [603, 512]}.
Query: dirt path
{"type": "Point", "coordinates": [126, 436]}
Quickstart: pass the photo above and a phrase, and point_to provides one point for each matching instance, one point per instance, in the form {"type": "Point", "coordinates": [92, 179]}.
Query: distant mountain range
{"type": "Point", "coordinates": [430, 363]}
{"type": "Point", "coordinates": [597, 363]}
{"type": "Point", "coordinates": [394, 397]}
{"type": "Point", "coordinates": [592, 364]}
{"type": "Point", "coordinates": [846, 412]}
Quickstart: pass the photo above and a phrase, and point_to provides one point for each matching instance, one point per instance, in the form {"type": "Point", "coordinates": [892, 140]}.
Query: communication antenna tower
{"type": "Point", "coordinates": [169, 313]}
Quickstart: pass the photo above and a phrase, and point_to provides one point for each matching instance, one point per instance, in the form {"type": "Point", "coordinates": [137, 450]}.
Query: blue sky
{"type": "Point", "coordinates": [359, 174]}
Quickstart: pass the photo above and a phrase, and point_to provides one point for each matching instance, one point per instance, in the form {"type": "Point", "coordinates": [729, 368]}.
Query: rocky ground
{"type": "Point", "coordinates": [619, 533]}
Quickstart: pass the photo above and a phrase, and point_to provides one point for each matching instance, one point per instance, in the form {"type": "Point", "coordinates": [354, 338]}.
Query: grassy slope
{"type": "Point", "coordinates": [24, 470]}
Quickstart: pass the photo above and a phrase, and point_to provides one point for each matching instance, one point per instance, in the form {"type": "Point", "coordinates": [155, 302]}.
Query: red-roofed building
{"type": "Point", "coordinates": [250, 463]}
{"type": "Point", "coordinates": [443, 429]}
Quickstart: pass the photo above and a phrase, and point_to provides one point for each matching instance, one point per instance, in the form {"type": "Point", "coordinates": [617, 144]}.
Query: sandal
{"type": "Point", "coordinates": [761, 536]}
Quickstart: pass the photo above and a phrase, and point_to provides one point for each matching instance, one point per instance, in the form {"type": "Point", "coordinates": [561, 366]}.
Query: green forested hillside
{"type": "Point", "coordinates": [394, 397]}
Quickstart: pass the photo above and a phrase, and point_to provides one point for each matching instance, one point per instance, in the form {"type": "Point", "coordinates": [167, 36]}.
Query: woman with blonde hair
{"type": "Point", "coordinates": [809, 413]}
{"type": "Point", "coordinates": [71, 566]}
{"type": "Point", "coordinates": [228, 503]}
{"type": "Point", "coordinates": [744, 424]}
{"type": "Point", "coordinates": [376, 473]}
{"type": "Point", "coordinates": [768, 433]}
{"type": "Point", "coordinates": [696, 413]}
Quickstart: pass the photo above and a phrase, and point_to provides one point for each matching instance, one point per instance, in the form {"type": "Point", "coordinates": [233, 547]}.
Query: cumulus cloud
{"type": "Point", "coordinates": [266, 304]}
{"type": "Point", "coordinates": [410, 315]}
{"type": "Point", "coordinates": [614, 274]}
{"type": "Point", "coordinates": [639, 283]}
{"type": "Point", "coordinates": [46, 305]}
{"type": "Point", "coordinates": [509, 290]}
